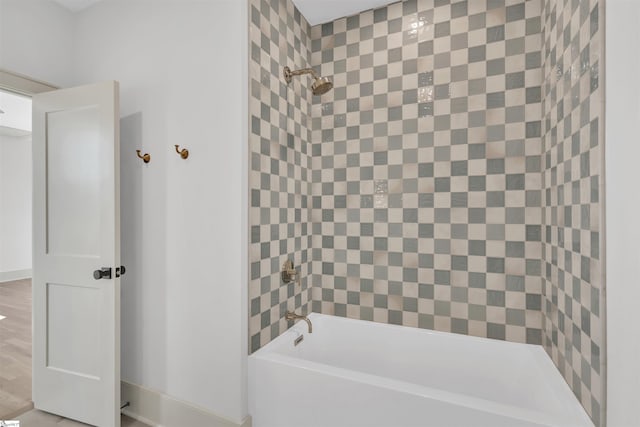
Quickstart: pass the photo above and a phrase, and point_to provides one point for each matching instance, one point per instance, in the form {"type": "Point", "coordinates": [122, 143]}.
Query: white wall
{"type": "Point", "coordinates": [182, 72]}
{"type": "Point", "coordinates": [15, 204]}
{"type": "Point", "coordinates": [623, 211]}
{"type": "Point", "coordinates": [35, 40]}
{"type": "Point", "coordinates": [182, 67]}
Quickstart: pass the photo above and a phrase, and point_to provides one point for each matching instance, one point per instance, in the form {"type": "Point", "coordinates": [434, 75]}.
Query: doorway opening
{"type": "Point", "coordinates": [15, 253]}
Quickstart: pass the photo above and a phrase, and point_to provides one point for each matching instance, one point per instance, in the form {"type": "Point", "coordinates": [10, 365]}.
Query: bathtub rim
{"type": "Point", "coordinates": [301, 327]}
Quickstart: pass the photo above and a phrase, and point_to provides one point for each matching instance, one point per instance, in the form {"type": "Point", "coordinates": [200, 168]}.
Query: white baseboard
{"type": "Point", "coordinates": [9, 276]}
{"type": "Point", "coordinates": [159, 410]}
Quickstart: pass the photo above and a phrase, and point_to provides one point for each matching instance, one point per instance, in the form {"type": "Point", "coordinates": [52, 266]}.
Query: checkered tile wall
{"type": "Point", "coordinates": [451, 180]}
{"type": "Point", "coordinates": [572, 101]}
{"type": "Point", "coordinates": [426, 167]}
{"type": "Point", "coordinates": [279, 168]}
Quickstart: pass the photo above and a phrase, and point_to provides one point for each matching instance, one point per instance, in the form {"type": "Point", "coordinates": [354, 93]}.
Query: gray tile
{"type": "Point", "coordinates": [495, 67]}
{"type": "Point", "coordinates": [496, 331]}
{"type": "Point", "coordinates": [442, 29]}
{"type": "Point", "coordinates": [459, 9]}
{"type": "Point", "coordinates": [495, 265]}
{"type": "Point", "coordinates": [496, 298]}
{"type": "Point", "coordinates": [495, 34]}
{"type": "Point", "coordinates": [477, 53]}
{"type": "Point", "coordinates": [514, 80]}
{"type": "Point", "coordinates": [495, 100]}
{"type": "Point", "coordinates": [516, 12]}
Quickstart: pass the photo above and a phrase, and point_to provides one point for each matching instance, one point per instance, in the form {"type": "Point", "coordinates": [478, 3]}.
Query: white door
{"type": "Point", "coordinates": [76, 233]}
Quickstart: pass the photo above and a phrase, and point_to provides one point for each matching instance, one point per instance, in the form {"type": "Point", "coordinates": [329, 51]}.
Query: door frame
{"type": "Point", "coordinates": [24, 85]}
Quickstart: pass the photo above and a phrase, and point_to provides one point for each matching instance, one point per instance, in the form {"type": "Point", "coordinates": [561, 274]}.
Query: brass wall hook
{"type": "Point", "coordinates": [184, 153]}
{"type": "Point", "coordinates": [146, 157]}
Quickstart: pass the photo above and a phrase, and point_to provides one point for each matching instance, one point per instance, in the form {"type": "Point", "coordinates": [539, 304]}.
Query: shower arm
{"type": "Point", "coordinates": [288, 74]}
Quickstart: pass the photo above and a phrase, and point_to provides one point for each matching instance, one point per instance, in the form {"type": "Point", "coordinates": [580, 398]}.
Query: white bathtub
{"type": "Point", "coordinates": [356, 373]}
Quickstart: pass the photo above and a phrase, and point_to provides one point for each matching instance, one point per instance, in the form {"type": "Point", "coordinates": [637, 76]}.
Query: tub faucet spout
{"type": "Point", "coordinates": [290, 315]}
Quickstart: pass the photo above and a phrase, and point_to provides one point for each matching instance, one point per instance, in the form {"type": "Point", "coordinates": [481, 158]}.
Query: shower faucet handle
{"type": "Point", "coordinates": [289, 274]}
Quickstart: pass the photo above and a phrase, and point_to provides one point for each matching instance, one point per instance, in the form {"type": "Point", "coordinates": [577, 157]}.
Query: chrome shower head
{"type": "Point", "coordinates": [320, 85]}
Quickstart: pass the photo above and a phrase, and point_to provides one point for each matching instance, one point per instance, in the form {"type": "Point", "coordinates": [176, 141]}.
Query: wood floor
{"type": "Point", "coordinates": [35, 418]}
{"type": "Point", "coordinates": [15, 347]}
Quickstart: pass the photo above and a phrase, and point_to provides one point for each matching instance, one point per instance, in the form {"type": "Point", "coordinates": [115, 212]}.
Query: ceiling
{"type": "Point", "coordinates": [76, 5]}
{"type": "Point", "coordinates": [315, 11]}
{"type": "Point", "coordinates": [321, 11]}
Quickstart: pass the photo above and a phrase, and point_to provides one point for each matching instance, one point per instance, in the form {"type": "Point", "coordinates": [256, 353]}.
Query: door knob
{"type": "Point", "coordinates": [103, 273]}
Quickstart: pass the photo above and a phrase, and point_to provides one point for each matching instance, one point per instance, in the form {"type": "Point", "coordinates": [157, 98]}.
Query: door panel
{"type": "Point", "coordinates": [73, 316]}
{"type": "Point", "coordinates": [76, 318]}
{"type": "Point", "coordinates": [73, 179]}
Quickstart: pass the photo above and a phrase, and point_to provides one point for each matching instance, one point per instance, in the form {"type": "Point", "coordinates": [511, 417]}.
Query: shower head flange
{"type": "Point", "coordinates": [287, 75]}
